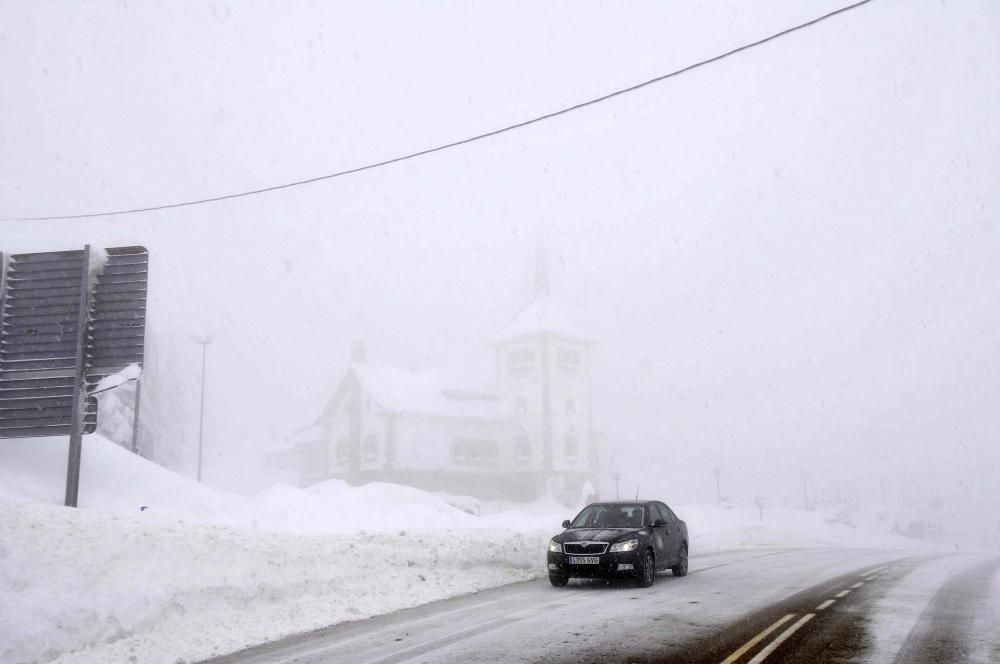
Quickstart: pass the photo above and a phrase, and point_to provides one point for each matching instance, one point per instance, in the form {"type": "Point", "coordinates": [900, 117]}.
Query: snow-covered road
{"type": "Point", "coordinates": [727, 601]}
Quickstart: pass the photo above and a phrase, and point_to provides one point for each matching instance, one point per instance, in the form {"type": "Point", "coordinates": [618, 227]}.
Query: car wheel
{"type": "Point", "coordinates": [558, 580]}
{"type": "Point", "coordinates": [647, 571]}
{"type": "Point", "coordinates": [681, 568]}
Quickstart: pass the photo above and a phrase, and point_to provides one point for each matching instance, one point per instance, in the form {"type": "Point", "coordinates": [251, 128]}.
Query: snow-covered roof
{"type": "Point", "coordinates": [426, 393]}
{"type": "Point", "coordinates": [542, 316]}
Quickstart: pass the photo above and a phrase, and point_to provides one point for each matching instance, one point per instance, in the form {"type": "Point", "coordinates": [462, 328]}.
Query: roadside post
{"type": "Point", "coordinates": [77, 423]}
{"type": "Point", "coordinates": [203, 341]}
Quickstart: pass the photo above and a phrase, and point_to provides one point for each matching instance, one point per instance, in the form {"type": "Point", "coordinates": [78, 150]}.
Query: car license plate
{"type": "Point", "coordinates": [584, 560]}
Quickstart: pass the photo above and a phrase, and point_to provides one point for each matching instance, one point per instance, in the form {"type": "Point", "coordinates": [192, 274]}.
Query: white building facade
{"type": "Point", "coordinates": [527, 432]}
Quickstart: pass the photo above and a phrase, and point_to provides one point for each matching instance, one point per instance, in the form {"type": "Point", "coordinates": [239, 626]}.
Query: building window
{"type": "Point", "coordinates": [569, 361]}
{"type": "Point", "coordinates": [473, 452]}
{"type": "Point", "coordinates": [570, 407]}
{"type": "Point", "coordinates": [572, 448]}
{"type": "Point", "coordinates": [522, 450]}
{"type": "Point", "coordinates": [520, 363]}
{"type": "Point", "coordinates": [522, 407]}
{"type": "Point", "coordinates": [343, 450]}
{"type": "Point", "coordinates": [371, 449]}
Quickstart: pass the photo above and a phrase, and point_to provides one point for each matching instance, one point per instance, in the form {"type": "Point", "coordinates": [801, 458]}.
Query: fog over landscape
{"type": "Point", "coordinates": [790, 259]}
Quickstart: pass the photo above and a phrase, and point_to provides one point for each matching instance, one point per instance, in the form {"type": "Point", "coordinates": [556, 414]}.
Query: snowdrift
{"type": "Point", "coordinates": [201, 572]}
{"type": "Point", "coordinates": [115, 588]}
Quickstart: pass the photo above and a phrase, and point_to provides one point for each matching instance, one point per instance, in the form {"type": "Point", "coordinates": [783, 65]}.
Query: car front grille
{"type": "Point", "coordinates": [585, 548]}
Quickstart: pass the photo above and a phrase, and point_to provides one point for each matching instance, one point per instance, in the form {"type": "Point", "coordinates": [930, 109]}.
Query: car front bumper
{"type": "Point", "coordinates": [611, 565]}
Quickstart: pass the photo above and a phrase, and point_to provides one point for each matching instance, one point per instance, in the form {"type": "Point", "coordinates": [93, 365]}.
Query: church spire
{"type": "Point", "coordinates": [541, 316]}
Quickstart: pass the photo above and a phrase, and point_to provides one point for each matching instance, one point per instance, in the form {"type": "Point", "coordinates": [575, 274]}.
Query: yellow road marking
{"type": "Point", "coordinates": [762, 655]}
{"type": "Point", "coordinates": [757, 639]}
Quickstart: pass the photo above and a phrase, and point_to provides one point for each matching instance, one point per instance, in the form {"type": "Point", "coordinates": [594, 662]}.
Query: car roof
{"type": "Point", "coordinates": [625, 502]}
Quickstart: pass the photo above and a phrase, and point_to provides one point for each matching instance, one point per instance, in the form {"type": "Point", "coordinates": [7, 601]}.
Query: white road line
{"type": "Point", "coordinates": [771, 647]}
{"type": "Point", "coordinates": [842, 593]}
{"type": "Point", "coordinates": [757, 639]}
{"type": "Point", "coordinates": [873, 572]}
{"type": "Point", "coordinates": [858, 584]}
{"type": "Point", "coordinates": [523, 613]}
{"type": "Point", "coordinates": [825, 604]}
{"type": "Point", "coordinates": [340, 644]}
{"type": "Point", "coordinates": [420, 649]}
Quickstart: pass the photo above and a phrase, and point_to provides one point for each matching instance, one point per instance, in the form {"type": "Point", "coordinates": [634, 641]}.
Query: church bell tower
{"type": "Point", "coordinates": [543, 367]}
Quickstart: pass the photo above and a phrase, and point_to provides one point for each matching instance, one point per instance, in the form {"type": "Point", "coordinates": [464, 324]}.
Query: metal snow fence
{"type": "Point", "coordinates": [61, 331]}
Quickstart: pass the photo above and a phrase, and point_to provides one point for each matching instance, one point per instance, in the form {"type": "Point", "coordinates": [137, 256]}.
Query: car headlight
{"type": "Point", "coordinates": [555, 547]}
{"type": "Point", "coordinates": [627, 545]}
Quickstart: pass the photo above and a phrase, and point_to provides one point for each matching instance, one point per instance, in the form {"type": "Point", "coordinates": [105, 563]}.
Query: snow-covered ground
{"type": "Point", "coordinates": [157, 568]}
{"type": "Point", "coordinates": [897, 612]}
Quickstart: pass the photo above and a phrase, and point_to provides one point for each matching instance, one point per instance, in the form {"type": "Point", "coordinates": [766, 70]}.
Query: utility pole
{"type": "Point", "coordinates": [204, 341]}
{"type": "Point", "coordinates": [805, 491]}
{"type": "Point", "coordinates": [718, 490]}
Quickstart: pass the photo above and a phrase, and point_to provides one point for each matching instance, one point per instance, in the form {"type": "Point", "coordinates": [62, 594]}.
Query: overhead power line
{"type": "Point", "coordinates": [464, 141]}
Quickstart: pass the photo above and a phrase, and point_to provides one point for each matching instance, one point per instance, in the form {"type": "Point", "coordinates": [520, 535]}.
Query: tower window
{"type": "Point", "coordinates": [522, 450]}
{"type": "Point", "coordinates": [371, 449]}
{"type": "Point", "coordinates": [343, 450]}
{"type": "Point", "coordinates": [572, 449]}
{"type": "Point", "coordinates": [522, 407]}
{"type": "Point", "coordinates": [569, 361]}
{"type": "Point", "coordinates": [520, 363]}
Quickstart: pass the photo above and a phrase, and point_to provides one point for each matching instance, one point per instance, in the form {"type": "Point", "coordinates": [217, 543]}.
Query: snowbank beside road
{"type": "Point", "coordinates": [115, 589]}
{"type": "Point", "coordinates": [713, 528]}
{"type": "Point", "coordinates": [117, 481]}
{"type": "Point", "coordinates": [204, 572]}
{"type": "Point", "coordinates": [112, 479]}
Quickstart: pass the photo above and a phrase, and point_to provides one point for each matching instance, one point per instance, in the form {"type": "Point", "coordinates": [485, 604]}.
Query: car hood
{"type": "Point", "coordinates": [595, 534]}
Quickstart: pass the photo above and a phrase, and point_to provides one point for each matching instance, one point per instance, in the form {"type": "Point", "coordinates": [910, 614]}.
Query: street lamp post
{"type": "Point", "coordinates": [718, 489]}
{"type": "Point", "coordinates": [204, 341]}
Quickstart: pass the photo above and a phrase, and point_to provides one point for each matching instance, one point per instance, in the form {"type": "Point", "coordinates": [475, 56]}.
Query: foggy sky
{"type": "Point", "coordinates": [791, 259]}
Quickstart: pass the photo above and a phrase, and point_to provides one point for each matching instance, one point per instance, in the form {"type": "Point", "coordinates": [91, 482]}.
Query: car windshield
{"type": "Point", "coordinates": [610, 516]}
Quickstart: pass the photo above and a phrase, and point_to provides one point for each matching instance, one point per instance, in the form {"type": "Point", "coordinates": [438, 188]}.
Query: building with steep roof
{"type": "Point", "coordinates": [526, 431]}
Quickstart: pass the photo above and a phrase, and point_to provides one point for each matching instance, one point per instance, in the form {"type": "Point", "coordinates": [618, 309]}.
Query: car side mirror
{"type": "Point", "coordinates": [659, 523]}
{"type": "Point", "coordinates": [566, 523]}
